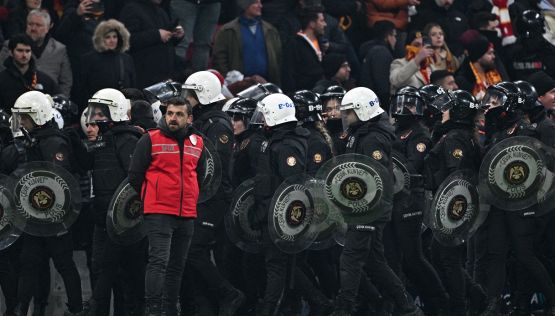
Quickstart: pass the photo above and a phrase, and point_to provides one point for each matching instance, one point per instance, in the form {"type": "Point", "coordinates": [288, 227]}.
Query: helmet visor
{"type": "Point", "coordinates": [443, 102]}
{"type": "Point", "coordinates": [332, 109]}
{"type": "Point", "coordinates": [493, 98]}
{"type": "Point", "coordinates": [98, 112]}
{"type": "Point", "coordinates": [256, 92]}
{"type": "Point", "coordinates": [257, 118]}
{"type": "Point", "coordinates": [406, 105]}
{"type": "Point", "coordinates": [21, 120]}
{"type": "Point", "coordinates": [161, 91]}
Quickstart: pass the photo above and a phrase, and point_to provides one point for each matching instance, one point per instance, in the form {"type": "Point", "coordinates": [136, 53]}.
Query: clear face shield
{"type": "Point", "coordinates": [406, 105]}
{"type": "Point", "coordinates": [98, 113]}
{"type": "Point", "coordinates": [257, 119]}
{"type": "Point", "coordinates": [21, 121]}
{"type": "Point", "coordinates": [492, 99]}
{"type": "Point", "coordinates": [256, 92]}
{"type": "Point", "coordinates": [162, 91]}
{"type": "Point", "coordinates": [348, 115]}
{"type": "Point", "coordinates": [443, 102]}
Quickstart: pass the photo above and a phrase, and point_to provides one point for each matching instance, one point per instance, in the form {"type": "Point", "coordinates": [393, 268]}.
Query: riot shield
{"type": "Point", "coordinates": [326, 220]}
{"type": "Point", "coordinates": [290, 221]}
{"type": "Point", "coordinates": [238, 219]}
{"type": "Point", "coordinates": [8, 232]}
{"type": "Point", "coordinates": [455, 212]}
{"type": "Point", "coordinates": [124, 220]}
{"type": "Point", "coordinates": [514, 174]}
{"type": "Point", "coordinates": [212, 171]}
{"type": "Point", "coordinates": [358, 186]}
{"type": "Point", "coordinates": [47, 199]}
{"type": "Point", "coordinates": [402, 173]}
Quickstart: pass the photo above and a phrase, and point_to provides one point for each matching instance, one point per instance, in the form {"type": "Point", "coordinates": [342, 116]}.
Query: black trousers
{"type": "Point", "coordinates": [9, 262]}
{"type": "Point", "coordinates": [60, 249]}
{"type": "Point", "coordinates": [519, 230]}
{"type": "Point", "coordinates": [364, 249]}
{"type": "Point", "coordinates": [450, 264]}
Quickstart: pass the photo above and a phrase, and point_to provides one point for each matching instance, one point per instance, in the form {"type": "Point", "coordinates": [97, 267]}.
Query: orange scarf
{"type": "Point", "coordinates": [425, 69]}
{"type": "Point", "coordinates": [492, 77]}
{"type": "Point", "coordinates": [33, 82]}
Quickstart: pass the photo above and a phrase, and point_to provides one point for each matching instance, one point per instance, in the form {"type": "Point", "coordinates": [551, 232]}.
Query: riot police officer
{"type": "Point", "coordinates": [431, 115]}
{"type": "Point", "coordinates": [110, 161]}
{"type": "Point", "coordinates": [204, 92]}
{"type": "Point", "coordinates": [282, 156]}
{"type": "Point", "coordinates": [503, 102]}
{"type": "Point", "coordinates": [456, 149]}
{"type": "Point", "coordinates": [32, 112]}
{"type": "Point", "coordinates": [402, 239]}
{"type": "Point", "coordinates": [532, 52]}
{"type": "Point", "coordinates": [369, 133]}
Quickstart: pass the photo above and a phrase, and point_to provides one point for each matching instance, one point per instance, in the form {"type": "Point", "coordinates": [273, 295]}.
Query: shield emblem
{"type": "Point", "coordinates": [358, 186]}
{"type": "Point", "coordinates": [455, 212]}
{"type": "Point", "coordinates": [401, 172]}
{"type": "Point", "coordinates": [211, 171]}
{"type": "Point", "coordinates": [514, 174]}
{"type": "Point", "coordinates": [124, 220]}
{"type": "Point", "coordinates": [291, 216]}
{"type": "Point", "coordinates": [8, 232]}
{"type": "Point", "coordinates": [238, 219]}
{"type": "Point", "coordinates": [47, 199]}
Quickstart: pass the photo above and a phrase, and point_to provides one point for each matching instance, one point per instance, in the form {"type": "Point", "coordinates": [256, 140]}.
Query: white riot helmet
{"type": "Point", "coordinates": [276, 109]}
{"type": "Point", "coordinates": [206, 87]}
{"type": "Point", "coordinates": [110, 104]}
{"type": "Point", "coordinates": [156, 112]}
{"type": "Point", "coordinates": [363, 101]}
{"type": "Point", "coordinates": [83, 120]}
{"type": "Point", "coordinates": [35, 104]}
{"type": "Point", "coordinates": [58, 118]}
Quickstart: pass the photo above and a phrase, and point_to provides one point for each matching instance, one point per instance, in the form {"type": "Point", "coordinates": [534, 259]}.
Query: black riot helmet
{"type": "Point", "coordinates": [429, 93]}
{"type": "Point", "coordinates": [407, 101]}
{"type": "Point", "coordinates": [504, 94]}
{"type": "Point", "coordinates": [530, 24]}
{"type": "Point", "coordinates": [242, 109]}
{"type": "Point", "coordinates": [464, 107]}
{"type": "Point", "coordinates": [531, 106]}
{"type": "Point", "coordinates": [308, 107]}
{"type": "Point", "coordinates": [66, 107]}
{"type": "Point", "coordinates": [333, 92]}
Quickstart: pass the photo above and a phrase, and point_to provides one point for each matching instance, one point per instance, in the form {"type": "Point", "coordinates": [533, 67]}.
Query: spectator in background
{"type": "Point", "coordinates": [481, 68]}
{"type": "Point", "coordinates": [303, 54]}
{"type": "Point", "coordinates": [487, 24]}
{"type": "Point", "coordinates": [153, 39]}
{"type": "Point", "coordinates": [377, 56]}
{"type": "Point", "coordinates": [444, 79]}
{"type": "Point", "coordinates": [274, 10]}
{"type": "Point", "coordinates": [199, 19]}
{"type": "Point", "coordinates": [17, 20]}
{"type": "Point", "coordinates": [108, 66]}
{"type": "Point", "coordinates": [547, 7]}
{"type": "Point", "coordinates": [50, 55]}
{"type": "Point", "coordinates": [442, 59]}
{"type": "Point", "coordinates": [415, 68]}
{"type": "Point", "coordinates": [545, 87]}
{"type": "Point", "coordinates": [141, 115]}
{"type": "Point", "coordinates": [337, 72]}
{"type": "Point", "coordinates": [21, 74]}
{"type": "Point", "coordinates": [442, 12]}
{"type": "Point", "coordinates": [249, 44]}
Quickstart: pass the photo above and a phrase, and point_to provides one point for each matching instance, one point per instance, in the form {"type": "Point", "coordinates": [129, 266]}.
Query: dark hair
{"type": "Point", "coordinates": [19, 39]}
{"type": "Point", "coordinates": [309, 14]}
{"type": "Point", "coordinates": [439, 75]}
{"type": "Point", "coordinates": [180, 101]}
{"type": "Point", "coordinates": [382, 29]}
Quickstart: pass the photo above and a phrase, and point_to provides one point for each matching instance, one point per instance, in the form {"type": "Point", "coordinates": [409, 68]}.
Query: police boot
{"type": "Point", "coordinates": [19, 310]}
{"type": "Point", "coordinates": [154, 308]}
{"type": "Point", "coordinates": [69, 313]}
{"type": "Point", "coordinates": [90, 307]}
{"type": "Point", "coordinates": [40, 309]}
{"type": "Point", "coordinates": [550, 311]}
{"type": "Point", "coordinates": [522, 305]}
{"type": "Point", "coordinates": [319, 304]}
{"type": "Point", "coordinates": [477, 300]}
{"type": "Point", "coordinates": [230, 300]}
{"type": "Point", "coordinates": [265, 309]}
{"type": "Point", "coordinates": [404, 307]}
{"type": "Point", "coordinates": [493, 307]}
{"type": "Point", "coordinates": [342, 308]}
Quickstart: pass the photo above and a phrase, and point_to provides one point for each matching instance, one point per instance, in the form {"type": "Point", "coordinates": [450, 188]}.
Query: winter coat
{"type": "Point", "coordinates": [302, 69]}
{"type": "Point", "coordinates": [228, 50]}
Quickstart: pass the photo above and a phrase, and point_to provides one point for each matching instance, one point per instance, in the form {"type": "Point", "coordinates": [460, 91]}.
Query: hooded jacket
{"type": "Point", "coordinates": [106, 68]}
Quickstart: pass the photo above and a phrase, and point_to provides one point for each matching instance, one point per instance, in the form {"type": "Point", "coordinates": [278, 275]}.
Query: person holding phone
{"type": "Point", "coordinates": [415, 68]}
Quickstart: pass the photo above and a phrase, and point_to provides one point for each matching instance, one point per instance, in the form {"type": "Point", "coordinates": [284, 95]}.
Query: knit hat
{"type": "Point", "coordinates": [477, 47]}
{"type": "Point", "coordinates": [244, 4]}
{"type": "Point", "coordinates": [331, 64]}
{"type": "Point", "coordinates": [542, 82]}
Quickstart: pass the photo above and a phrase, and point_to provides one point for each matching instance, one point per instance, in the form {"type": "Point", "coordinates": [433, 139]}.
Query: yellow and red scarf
{"type": "Point", "coordinates": [425, 69]}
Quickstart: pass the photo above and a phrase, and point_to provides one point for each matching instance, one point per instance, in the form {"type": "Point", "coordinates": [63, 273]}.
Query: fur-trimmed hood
{"type": "Point", "coordinates": [106, 27]}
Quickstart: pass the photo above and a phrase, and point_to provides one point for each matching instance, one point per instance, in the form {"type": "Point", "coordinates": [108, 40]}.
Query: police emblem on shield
{"type": "Point", "coordinates": [291, 215]}
{"type": "Point", "coordinates": [124, 220]}
{"type": "Point", "coordinates": [238, 219]}
{"type": "Point", "coordinates": [326, 220]}
{"type": "Point", "coordinates": [8, 232]}
{"type": "Point", "coordinates": [514, 174]}
{"type": "Point", "coordinates": [455, 209]}
{"type": "Point", "coordinates": [47, 199]}
{"type": "Point", "coordinates": [358, 186]}
{"type": "Point", "coordinates": [211, 171]}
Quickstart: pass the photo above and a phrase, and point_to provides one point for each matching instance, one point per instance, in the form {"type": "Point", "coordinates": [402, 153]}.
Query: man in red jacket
{"type": "Point", "coordinates": [165, 170]}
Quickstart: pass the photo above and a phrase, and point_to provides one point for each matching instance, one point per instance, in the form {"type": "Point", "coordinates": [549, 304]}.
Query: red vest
{"type": "Point", "coordinates": [171, 185]}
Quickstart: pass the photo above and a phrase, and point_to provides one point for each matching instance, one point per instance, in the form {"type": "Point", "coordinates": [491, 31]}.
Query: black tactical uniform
{"type": "Point", "coordinates": [47, 143]}
{"type": "Point", "coordinates": [363, 243]}
{"type": "Point", "coordinates": [111, 155]}
{"type": "Point", "coordinates": [245, 152]}
{"type": "Point", "coordinates": [518, 228]}
{"type": "Point", "coordinates": [403, 244]}
{"type": "Point", "coordinates": [456, 149]}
